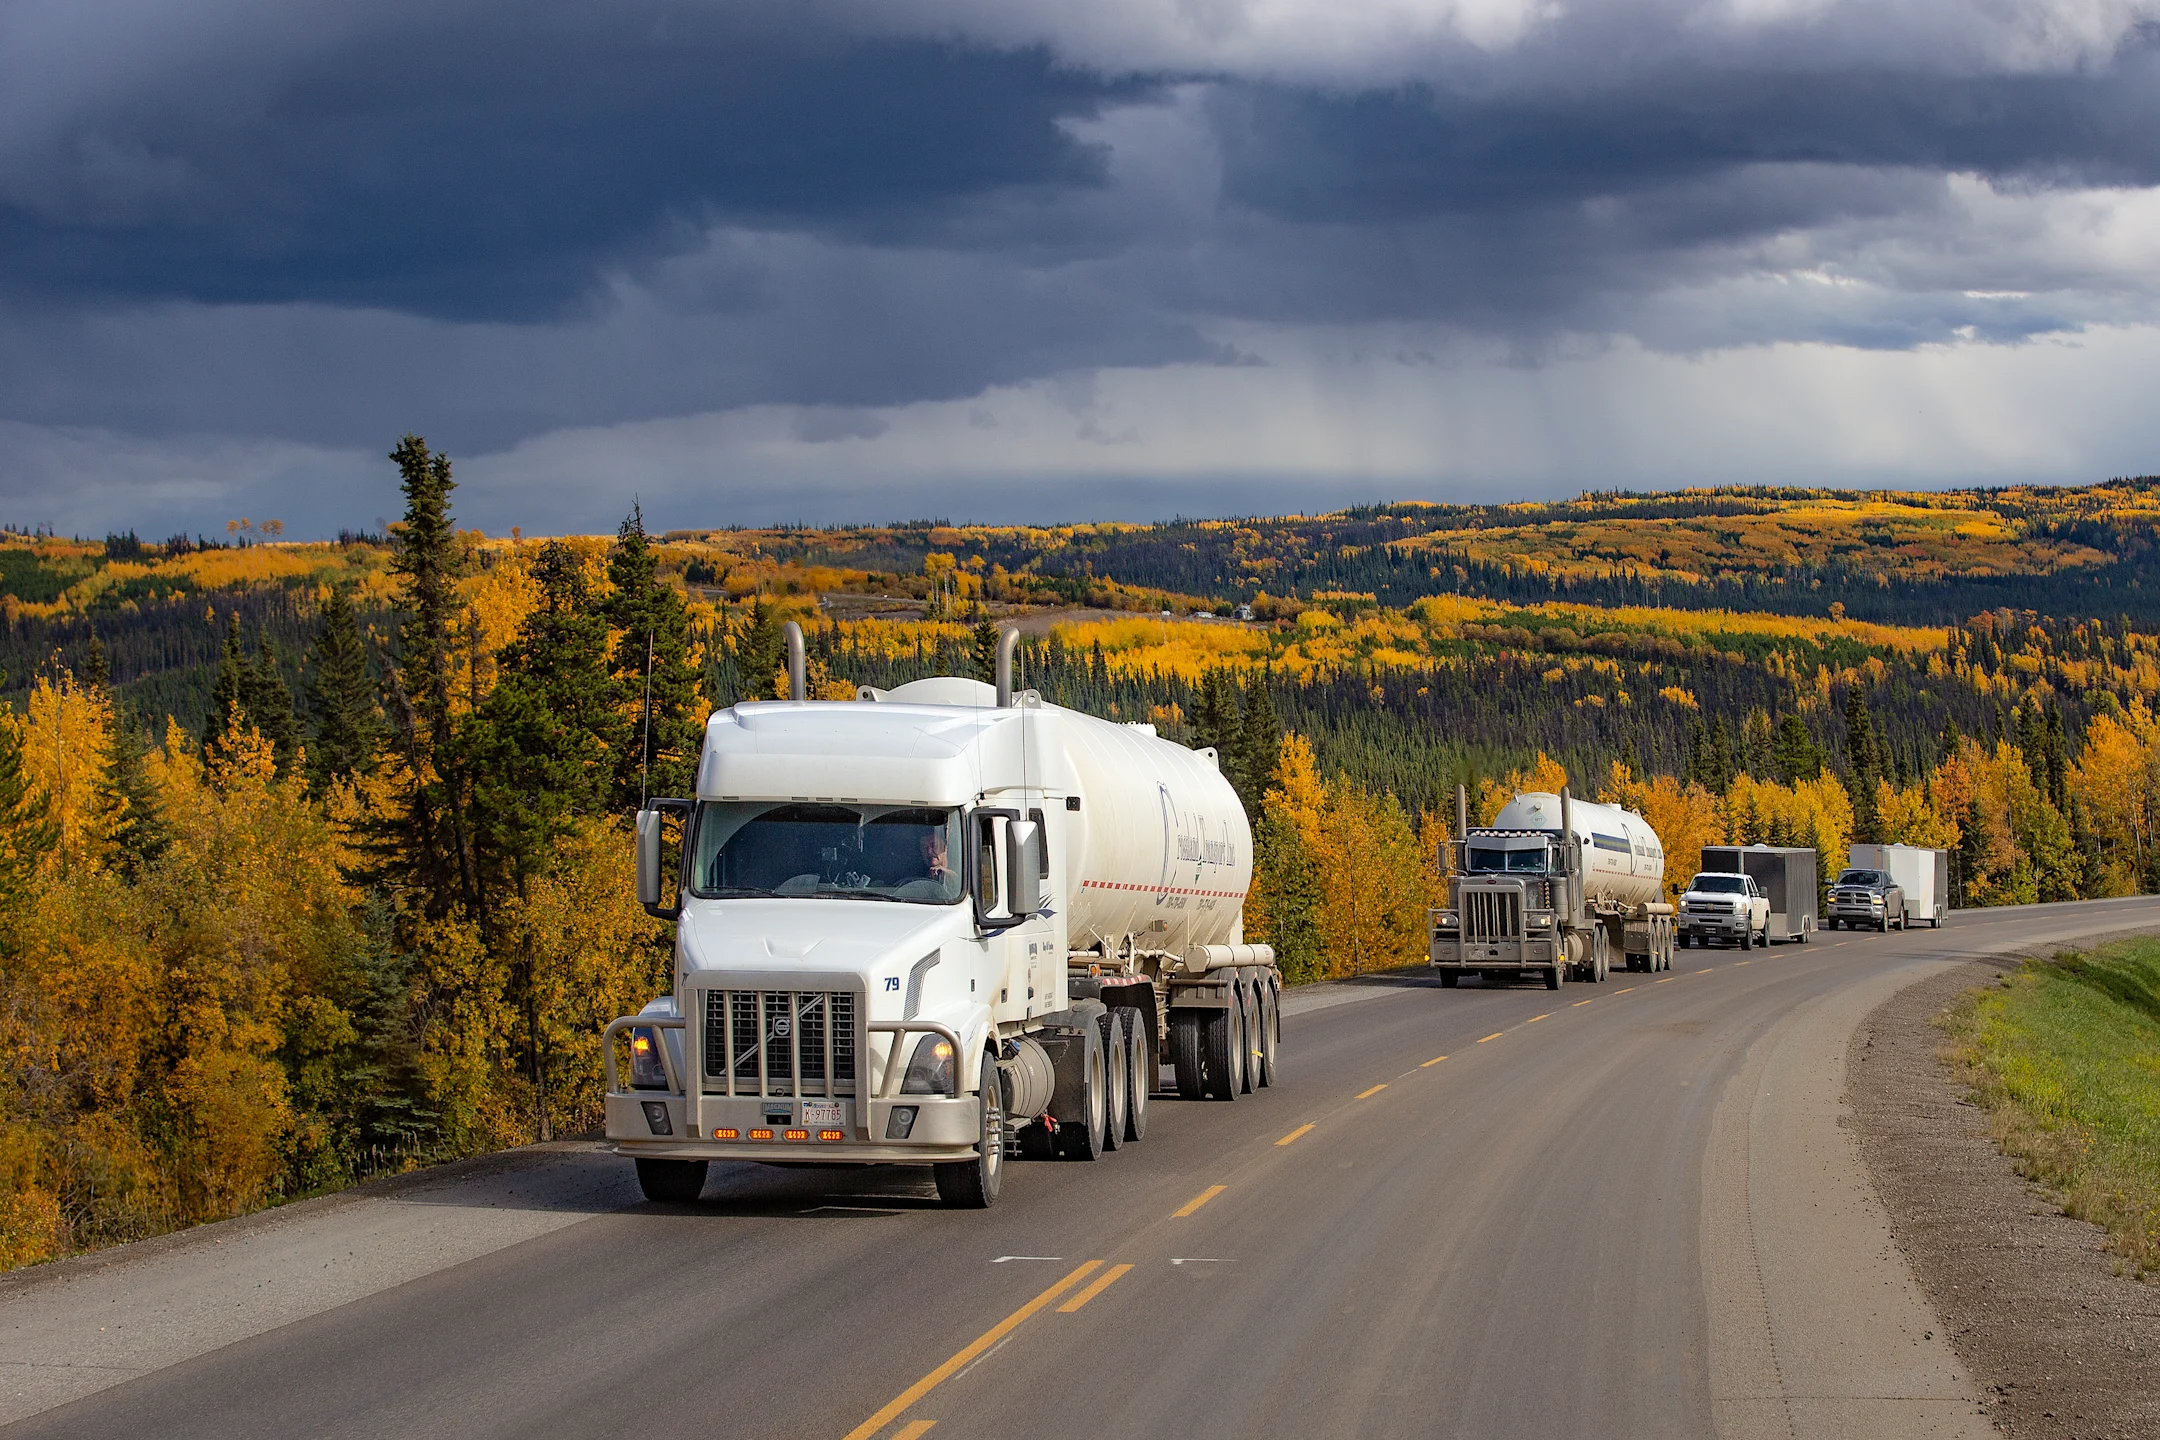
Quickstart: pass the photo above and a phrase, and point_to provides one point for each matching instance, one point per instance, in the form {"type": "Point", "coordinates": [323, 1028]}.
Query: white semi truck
{"type": "Point", "coordinates": [937, 925]}
{"type": "Point", "coordinates": [1554, 887]}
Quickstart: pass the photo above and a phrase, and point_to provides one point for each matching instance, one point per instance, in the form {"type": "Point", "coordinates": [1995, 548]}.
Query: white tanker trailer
{"type": "Point", "coordinates": [937, 925]}
{"type": "Point", "coordinates": [1554, 887]}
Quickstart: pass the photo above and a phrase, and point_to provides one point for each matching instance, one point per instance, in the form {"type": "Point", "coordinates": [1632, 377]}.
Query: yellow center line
{"type": "Point", "coordinates": [1623, 990]}
{"type": "Point", "coordinates": [1666, 981]}
{"type": "Point", "coordinates": [1535, 1018]}
{"type": "Point", "coordinates": [1706, 969]}
{"type": "Point", "coordinates": [914, 1430]}
{"type": "Point", "coordinates": [1432, 1062]}
{"type": "Point", "coordinates": [898, 1405]}
{"type": "Point", "coordinates": [1368, 1094]}
{"type": "Point", "coordinates": [1580, 1003]}
{"type": "Point", "coordinates": [1196, 1202]}
{"type": "Point", "coordinates": [1301, 1130]}
{"type": "Point", "coordinates": [1738, 963]}
{"type": "Point", "coordinates": [1101, 1283]}
{"type": "Point", "coordinates": [1494, 1036]}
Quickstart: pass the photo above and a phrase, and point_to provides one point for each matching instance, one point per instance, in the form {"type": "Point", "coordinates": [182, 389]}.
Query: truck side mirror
{"type": "Point", "coordinates": [1023, 857]}
{"type": "Point", "coordinates": [648, 858]}
{"type": "Point", "coordinates": [652, 857]}
{"type": "Point", "coordinates": [1002, 876]}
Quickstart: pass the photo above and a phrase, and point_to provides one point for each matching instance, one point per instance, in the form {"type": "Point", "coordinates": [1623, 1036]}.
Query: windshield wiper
{"type": "Point", "coordinates": [838, 893]}
{"type": "Point", "coordinates": [730, 892]}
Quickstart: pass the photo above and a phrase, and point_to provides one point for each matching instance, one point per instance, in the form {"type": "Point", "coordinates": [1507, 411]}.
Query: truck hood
{"type": "Point", "coordinates": [853, 937]}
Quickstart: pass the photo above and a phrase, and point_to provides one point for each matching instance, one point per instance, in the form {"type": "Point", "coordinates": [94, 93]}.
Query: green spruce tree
{"type": "Point", "coordinates": [132, 816]}
{"type": "Point", "coordinates": [344, 722]}
{"type": "Point", "coordinates": [429, 844]}
{"type": "Point", "coordinates": [1863, 767]}
{"type": "Point", "coordinates": [657, 688]}
{"type": "Point", "coordinates": [1285, 873]}
{"type": "Point", "coordinates": [1259, 744]}
{"type": "Point", "coordinates": [268, 704]}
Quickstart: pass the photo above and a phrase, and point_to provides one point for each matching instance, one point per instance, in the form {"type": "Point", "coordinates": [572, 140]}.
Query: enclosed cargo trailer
{"type": "Point", "coordinates": [1786, 876]}
{"type": "Point", "coordinates": [1923, 874]}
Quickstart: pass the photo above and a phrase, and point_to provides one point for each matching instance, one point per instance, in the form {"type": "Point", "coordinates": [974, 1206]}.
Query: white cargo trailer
{"type": "Point", "coordinates": [932, 926]}
{"type": "Point", "coordinates": [1786, 876]}
{"type": "Point", "coordinates": [1554, 887]}
{"type": "Point", "coordinates": [1923, 874]}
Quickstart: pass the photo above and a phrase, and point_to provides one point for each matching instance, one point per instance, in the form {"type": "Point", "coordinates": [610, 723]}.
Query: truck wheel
{"type": "Point", "coordinates": [1254, 1016]}
{"type": "Point", "coordinates": [1082, 1138]}
{"type": "Point", "coordinates": [974, 1184]}
{"type": "Point", "coordinates": [1747, 937]}
{"type": "Point", "coordinates": [1117, 1073]}
{"type": "Point", "coordinates": [1140, 1073]}
{"type": "Point", "coordinates": [1270, 1031]}
{"type": "Point", "coordinates": [671, 1182]}
{"type": "Point", "coordinates": [1188, 1053]}
{"type": "Point", "coordinates": [1687, 940]}
{"type": "Point", "coordinates": [1448, 979]}
{"type": "Point", "coordinates": [1553, 977]}
{"type": "Point", "coordinates": [1220, 1044]}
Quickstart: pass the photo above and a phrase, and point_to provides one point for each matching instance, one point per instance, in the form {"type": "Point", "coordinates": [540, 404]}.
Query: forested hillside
{"type": "Point", "coordinates": [314, 858]}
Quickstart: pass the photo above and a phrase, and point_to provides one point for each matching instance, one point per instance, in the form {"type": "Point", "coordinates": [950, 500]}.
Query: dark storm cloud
{"type": "Point", "coordinates": [265, 233]}
{"type": "Point", "coordinates": [488, 162]}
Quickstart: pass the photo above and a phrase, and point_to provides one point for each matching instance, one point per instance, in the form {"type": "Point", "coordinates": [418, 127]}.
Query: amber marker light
{"type": "Point", "coordinates": [761, 1134]}
{"type": "Point", "coordinates": [798, 1134]}
{"type": "Point", "coordinates": [728, 1132]}
{"type": "Point", "coordinates": [831, 1135]}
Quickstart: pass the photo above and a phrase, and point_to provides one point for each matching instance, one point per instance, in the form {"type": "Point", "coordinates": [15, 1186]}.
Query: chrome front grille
{"type": "Point", "coordinates": [1491, 914]}
{"type": "Point", "coordinates": [780, 1042]}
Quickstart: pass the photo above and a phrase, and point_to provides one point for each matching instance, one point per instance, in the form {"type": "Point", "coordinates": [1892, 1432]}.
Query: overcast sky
{"type": "Point", "coordinates": [825, 260]}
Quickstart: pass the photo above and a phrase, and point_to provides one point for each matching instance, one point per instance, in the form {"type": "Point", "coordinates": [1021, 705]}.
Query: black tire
{"type": "Point", "coordinates": [1251, 1016]}
{"type": "Point", "coordinates": [1747, 938]}
{"type": "Point", "coordinates": [1188, 1053]}
{"type": "Point", "coordinates": [671, 1182]}
{"type": "Point", "coordinates": [1687, 940]}
{"type": "Point", "coordinates": [974, 1184]}
{"type": "Point", "coordinates": [1117, 1075]}
{"type": "Point", "coordinates": [1882, 926]}
{"type": "Point", "coordinates": [1553, 978]}
{"type": "Point", "coordinates": [1270, 1007]}
{"type": "Point", "coordinates": [1140, 1073]}
{"type": "Point", "coordinates": [1219, 1044]}
{"type": "Point", "coordinates": [1449, 979]}
{"type": "Point", "coordinates": [1082, 1138]}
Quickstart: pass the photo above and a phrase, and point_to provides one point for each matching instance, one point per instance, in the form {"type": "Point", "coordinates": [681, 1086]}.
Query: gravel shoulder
{"type": "Point", "coordinates": [2061, 1344]}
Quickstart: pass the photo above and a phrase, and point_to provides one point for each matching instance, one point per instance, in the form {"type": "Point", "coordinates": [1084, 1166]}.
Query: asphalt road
{"type": "Point", "coordinates": [1508, 1241]}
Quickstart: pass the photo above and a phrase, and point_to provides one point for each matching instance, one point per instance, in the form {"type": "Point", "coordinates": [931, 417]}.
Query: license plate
{"type": "Point", "coordinates": [816, 1114]}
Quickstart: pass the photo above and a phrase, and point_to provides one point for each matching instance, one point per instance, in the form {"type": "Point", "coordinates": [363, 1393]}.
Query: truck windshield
{"type": "Point", "coordinates": [1718, 885]}
{"type": "Point", "coordinates": [856, 852]}
{"type": "Point", "coordinates": [1522, 862]}
{"type": "Point", "coordinates": [1867, 879]}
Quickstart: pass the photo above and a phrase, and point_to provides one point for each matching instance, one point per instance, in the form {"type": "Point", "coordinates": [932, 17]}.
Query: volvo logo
{"type": "Point", "coordinates": [780, 1028]}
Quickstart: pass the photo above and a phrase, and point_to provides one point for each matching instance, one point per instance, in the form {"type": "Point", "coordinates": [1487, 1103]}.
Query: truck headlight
{"type": "Point", "coordinates": [930, 1069]}
{"type": "Point", "coordinates": [1541, 919]}
{"type": "Point", "coordinates": [1448, 921]}
{"type": "Point", "coordinates": [646, 1070]}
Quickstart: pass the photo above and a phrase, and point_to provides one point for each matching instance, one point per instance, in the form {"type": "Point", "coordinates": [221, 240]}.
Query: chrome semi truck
{"type": "Point", "coordinates": [1555, 887]}
{"type": "Point", "coordinates": [937, 925]}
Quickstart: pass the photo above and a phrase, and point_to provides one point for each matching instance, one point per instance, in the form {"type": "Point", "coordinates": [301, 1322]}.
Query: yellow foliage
{"type": "Point", "coordinates": [1909, 817]}
{"type": "Point", "coordinates": [1377, 880]}
{"type": "Point", "coordinates": [64, 736]}
{"type": "Point", "coordinates": [1542, 774]}
{"type": "Point", "coordinates": [1685, 818]}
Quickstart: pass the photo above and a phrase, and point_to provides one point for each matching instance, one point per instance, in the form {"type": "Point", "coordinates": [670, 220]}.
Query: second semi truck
{"type": "Point", "coordinates": [1554, 887]}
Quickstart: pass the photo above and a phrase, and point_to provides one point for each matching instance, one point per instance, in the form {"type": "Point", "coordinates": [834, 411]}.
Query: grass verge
{"type": "Point", "coordinates": [2065, 1055]}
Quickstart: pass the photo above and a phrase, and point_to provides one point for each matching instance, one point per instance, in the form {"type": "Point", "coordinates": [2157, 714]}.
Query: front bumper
{"type": "Point", "coordinates": [656, 1124]}
{"type": "Point", "coordinates": [1448, 952]}
{"type": "Point", "coordinates": [1849, 910]}
{"type": "Point", "coordinates": [1712, 925]}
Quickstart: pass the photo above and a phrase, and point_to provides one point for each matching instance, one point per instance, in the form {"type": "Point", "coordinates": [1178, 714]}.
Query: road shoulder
{"type": "Point", "coordinates": [2033, 1306]}
{"type": "Point", "coordinates": [1817, 1326]}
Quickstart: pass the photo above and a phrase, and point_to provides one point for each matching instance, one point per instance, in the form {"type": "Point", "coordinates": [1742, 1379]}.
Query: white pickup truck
{"type": "Point", "coordinates": [1722, 905]}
